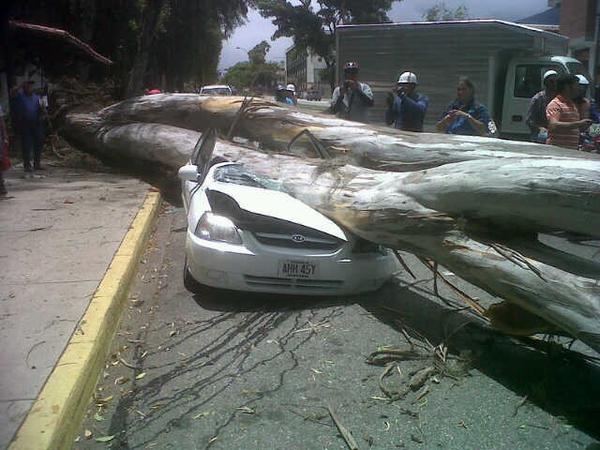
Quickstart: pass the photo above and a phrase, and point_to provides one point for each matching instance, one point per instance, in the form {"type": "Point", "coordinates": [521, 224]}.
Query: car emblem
{"type": "Point", "coordinates": [298, 238]}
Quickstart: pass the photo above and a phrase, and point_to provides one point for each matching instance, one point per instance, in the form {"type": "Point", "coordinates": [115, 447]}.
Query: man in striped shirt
{"type": "Point", "coordinates": [564, 122]}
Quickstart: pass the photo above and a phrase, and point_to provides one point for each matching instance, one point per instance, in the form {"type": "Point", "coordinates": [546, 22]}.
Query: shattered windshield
{"type": "Point", "coordinates": [237, 174]}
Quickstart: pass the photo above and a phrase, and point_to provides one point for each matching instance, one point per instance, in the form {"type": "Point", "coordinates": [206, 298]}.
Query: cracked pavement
{"type": "Point", "coordinates": [225, 370]}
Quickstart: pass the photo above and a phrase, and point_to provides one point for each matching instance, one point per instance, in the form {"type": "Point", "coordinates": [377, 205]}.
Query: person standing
{"type": "Point", "coordinates": [584, 105]}
{"type": "Point", "coordinates": [564, 120]}
{"type": "Point", "coordinates": [290, 95]}
{"type": "Point", "coordinates": [587, 110]}
{"type": "Point", "coordinates": [4, 159]}
{"type": "Point", "coordinates": [465, 115]}
{"type": "Point", "coordinates": [29, 115]}
{"type": "Point", "coordinates": [536, 114]}
{"type": "Point", "coordinates": [406, 108]}
{"type": "Point", "coordinates": [352, 99]}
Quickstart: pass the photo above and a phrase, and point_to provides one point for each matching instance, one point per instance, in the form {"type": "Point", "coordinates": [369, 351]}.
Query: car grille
{"type": "Point", "coordinates": [297, 284]}
{"type": "Point", "coordinates": [287, 240]}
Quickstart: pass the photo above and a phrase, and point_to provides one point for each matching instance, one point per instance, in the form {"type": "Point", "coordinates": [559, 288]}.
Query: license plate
{"type": "Point", "coordinates": [297, 269]}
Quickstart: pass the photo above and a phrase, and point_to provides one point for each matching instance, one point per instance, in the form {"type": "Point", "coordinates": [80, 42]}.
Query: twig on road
{"type": "Point", "coordinates": [521, 403]}
{"type": "Point", "coordinates": [126, 364]}
{"type": "Point", "coordinates": [30, 350]}
{"type": "Point", "coordinates": [314, 327]}
{"type": "Point", "coordinates": [350, 442]}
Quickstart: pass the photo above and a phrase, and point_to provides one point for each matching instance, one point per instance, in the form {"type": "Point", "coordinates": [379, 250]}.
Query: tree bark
{"type": "Point", "coordinates": [150, 18]}
{"type": "Point", "coordinates": [381, 207]}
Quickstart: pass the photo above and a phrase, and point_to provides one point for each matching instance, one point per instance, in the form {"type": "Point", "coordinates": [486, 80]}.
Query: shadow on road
{"type": "Point", "coordinates": [557, 380]}
{"type": "Point", "coordinates": [224, 300]}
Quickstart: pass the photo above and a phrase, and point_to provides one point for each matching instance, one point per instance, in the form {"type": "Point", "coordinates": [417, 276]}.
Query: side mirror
{"type": "Point", "coordinates": [189, 172]}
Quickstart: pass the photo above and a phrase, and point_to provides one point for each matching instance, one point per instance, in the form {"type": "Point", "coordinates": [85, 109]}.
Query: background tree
{"type": "Point", "coordinates": [258, 54]}
{"type": "Point", "coordinates": [313, 28]}
{"type": "Point", "coordinates": [256, 73]}
{"type": "Point", "coordinates": [440, 11]}
{"type": "Point", "coordinates": [164, 43]}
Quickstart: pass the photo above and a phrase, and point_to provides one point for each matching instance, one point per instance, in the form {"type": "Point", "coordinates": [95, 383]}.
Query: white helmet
{"type": "Point", "coordinates": [290, 87]}
{"type": "Point", "coordinates": [408, 77]}
{"type": "Point", "coordinates": [549, 73]}
{"type": "Point", "coordinates": [583, 81]}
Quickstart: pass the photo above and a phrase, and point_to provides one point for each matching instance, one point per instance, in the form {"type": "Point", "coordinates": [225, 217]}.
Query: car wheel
{"type": "Point", "coordinates": [189, 282]}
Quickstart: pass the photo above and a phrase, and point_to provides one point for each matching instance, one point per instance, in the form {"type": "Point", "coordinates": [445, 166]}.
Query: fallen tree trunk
{"type": "Point", "coordinates": [369, 146]}
{"type": "Point", "coordinates": [551, 189]}
{"type": "Point", "coordinates": [382, 208]}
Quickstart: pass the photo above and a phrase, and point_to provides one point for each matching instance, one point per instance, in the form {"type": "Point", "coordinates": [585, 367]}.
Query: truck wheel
{"type": "Point", "coordinates": [189, 282]}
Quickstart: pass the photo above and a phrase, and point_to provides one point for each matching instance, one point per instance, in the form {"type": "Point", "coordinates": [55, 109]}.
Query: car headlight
{"type": "Point", "coordinates": [213, 227]}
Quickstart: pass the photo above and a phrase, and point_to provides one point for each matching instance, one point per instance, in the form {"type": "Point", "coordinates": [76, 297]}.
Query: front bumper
{"type": "Point", "coordinates": [236, 267]}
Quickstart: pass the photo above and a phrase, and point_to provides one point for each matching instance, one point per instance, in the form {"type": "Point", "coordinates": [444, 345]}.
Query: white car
{"type": "Point", "coordinates": [216, 89]}
{"type": "Point", "coordinates": [244, 235]}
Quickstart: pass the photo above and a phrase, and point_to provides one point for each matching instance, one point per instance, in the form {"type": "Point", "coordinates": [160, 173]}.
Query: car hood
{"type": "Point", "coordinates": [279, 205]}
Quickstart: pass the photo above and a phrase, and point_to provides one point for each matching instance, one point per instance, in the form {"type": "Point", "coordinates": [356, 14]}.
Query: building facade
{"type": "Point", "coordinates": [305, 70]}
{"type": "Point", "coordinates": [580, 21]}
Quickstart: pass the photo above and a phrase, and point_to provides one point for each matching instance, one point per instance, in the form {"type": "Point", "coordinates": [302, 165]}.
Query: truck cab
{"type": "Point", "coordinates": [523, 81]}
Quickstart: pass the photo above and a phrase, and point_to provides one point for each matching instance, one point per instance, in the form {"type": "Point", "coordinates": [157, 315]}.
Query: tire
{"type": "Point", "coordinates": [189, 282]}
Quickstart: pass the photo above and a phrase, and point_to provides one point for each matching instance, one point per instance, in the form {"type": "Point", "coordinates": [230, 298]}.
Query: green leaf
{"type": "Point", "coordinates": [105, 438]}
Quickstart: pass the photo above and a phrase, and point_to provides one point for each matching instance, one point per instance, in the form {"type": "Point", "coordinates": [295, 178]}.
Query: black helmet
{"type": "Point", "coordinates": [351, 66]}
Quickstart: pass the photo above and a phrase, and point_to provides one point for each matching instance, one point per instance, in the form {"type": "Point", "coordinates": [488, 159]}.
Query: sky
{"type": "Point", "coordinates": [257, 28]}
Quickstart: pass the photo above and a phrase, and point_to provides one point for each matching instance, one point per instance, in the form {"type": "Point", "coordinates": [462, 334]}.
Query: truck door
{"type": "Point", "coordinates": [523, 81]}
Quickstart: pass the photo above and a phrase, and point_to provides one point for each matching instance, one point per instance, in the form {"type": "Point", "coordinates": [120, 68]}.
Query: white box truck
{"type": "Point", "coordinates": [504, 60]}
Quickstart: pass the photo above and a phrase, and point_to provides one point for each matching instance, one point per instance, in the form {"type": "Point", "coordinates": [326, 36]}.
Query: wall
{"type": "Point", "coordinates": [577, 19]}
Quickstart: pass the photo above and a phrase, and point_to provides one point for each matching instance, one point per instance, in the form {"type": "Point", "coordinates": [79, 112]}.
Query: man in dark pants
{"type": "Point", "coordinates": [28, 121]}
{"type": "Point", "coordinates": [536, 115]}
{"type": "Point", "coordinates": [352, 99]}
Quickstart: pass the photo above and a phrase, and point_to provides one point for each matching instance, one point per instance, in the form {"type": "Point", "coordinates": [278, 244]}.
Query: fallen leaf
{"type": "Point", "coordinates": [98, 417]}
{"type": "Point", "coordinates": [316, 370]}
{"type": "Point", "coordinates": [121, 380]}
{"type": "Point", "coordinates": [246, 410]}
{"type": "Point", "coordinates": [105, 438]}
{"type": "Point", "coordinates": [199, 415]}
{"type": "Point", "coordinates": [102, 401]}
{"type": "Point", "coordinates": [87, 434]}
{"type": "Point", "coordinates": [139, 376]}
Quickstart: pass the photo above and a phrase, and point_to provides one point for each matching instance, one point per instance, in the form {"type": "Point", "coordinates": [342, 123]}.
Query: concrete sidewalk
{"type": "Point", "coordinates": [58, 235]}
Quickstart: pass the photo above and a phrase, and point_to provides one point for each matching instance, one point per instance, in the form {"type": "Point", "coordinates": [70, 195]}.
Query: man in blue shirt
{"type": "Point", "coordinates": [465, 115]}
{"type": "Point", "coordinates": [28, 114]}
{"type": "Point", "coordinates": [406, 108]}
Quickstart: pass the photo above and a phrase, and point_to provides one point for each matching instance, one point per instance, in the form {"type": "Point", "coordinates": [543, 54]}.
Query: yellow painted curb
{"type": "Point", "coordinates": [55, 417]}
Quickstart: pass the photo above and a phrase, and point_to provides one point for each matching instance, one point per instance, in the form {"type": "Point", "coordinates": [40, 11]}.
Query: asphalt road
{"type": "Point", "coordinates": [237, 371]}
